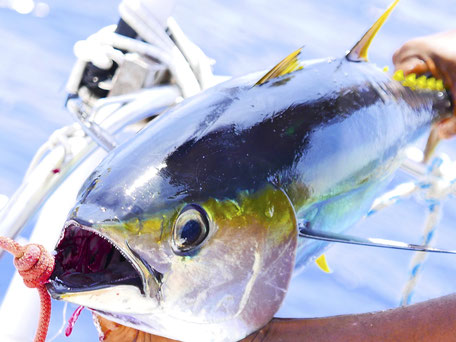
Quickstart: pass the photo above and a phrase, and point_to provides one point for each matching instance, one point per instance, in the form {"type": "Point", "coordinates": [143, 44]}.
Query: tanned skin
{"type": "Point", "coordinates": [430, 321]}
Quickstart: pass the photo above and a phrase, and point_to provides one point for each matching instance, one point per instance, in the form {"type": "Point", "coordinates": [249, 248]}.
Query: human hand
{"type": "Point", "coordinates": [435, 54]}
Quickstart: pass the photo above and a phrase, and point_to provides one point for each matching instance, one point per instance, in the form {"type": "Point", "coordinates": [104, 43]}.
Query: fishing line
{"type": "Point", "coordinates": [62, 326]}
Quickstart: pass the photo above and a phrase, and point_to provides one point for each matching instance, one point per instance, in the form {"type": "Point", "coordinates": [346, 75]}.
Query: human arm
{"type": "Point", "coordinates": [430, 321]}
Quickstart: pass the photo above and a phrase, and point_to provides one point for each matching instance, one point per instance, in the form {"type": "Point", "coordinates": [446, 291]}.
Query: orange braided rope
{"type": "Point", "coordinates": [35, 265]}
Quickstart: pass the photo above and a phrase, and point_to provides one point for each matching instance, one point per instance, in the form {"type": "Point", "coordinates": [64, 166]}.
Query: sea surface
{"type": "Point", "coordinates": [36, 41]}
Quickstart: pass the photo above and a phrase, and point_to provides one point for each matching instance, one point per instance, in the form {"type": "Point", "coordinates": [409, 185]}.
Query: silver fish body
{"type": "Point", "coordinates": [190, 230]}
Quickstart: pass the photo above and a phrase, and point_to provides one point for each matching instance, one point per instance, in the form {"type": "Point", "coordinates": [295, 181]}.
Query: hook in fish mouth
{"type": "Point", "coordinates": [86, 261]}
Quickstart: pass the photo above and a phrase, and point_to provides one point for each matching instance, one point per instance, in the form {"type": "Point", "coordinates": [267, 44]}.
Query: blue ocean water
{"type": "Point", "coordinates": [244, 36]}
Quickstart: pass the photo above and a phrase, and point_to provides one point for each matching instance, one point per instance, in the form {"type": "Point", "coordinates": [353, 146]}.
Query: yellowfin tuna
{"type": "Point", "coordinates": [190, 230]}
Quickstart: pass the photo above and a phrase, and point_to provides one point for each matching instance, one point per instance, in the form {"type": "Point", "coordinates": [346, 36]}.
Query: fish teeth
{"type": "Point", "coordinates": [110, 242]}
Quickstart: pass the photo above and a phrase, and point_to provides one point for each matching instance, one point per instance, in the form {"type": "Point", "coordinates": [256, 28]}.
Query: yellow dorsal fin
{"type": "Point", "coordinates": [322, 264]}
{"type": "Point", "coordinates": [359, 51]}
{"type": "Point", "coordinates": [289, 64]}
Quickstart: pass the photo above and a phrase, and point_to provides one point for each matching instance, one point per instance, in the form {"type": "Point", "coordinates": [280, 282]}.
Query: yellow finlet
{"type": "Point", "coordinates": [422, 82]}
{"type": "Point", "coordinates": [439, 85]}
{"type": "Point", "coordinates": [288, 65]}
{"type": "Point", "coordinates": [322, 264]}
{"type": "Point", "coordinates": [359, 51]}
{"type": "Point", "coordinates": [399, 75]}
{"type": "Point", "coordinates": [431, 83]}
{"type": "Point", "coordinates": [410, 81]}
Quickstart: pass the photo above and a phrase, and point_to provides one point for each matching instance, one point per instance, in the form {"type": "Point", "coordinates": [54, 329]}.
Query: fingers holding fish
{"type": "Point", "coordinates": [435, 54]}
{"type": "Point", "coordinates": [114, 332]}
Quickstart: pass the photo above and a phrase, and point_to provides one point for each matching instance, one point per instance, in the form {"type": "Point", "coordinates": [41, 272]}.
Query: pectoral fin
{"type": "Point", "coordinates": [371, 242]}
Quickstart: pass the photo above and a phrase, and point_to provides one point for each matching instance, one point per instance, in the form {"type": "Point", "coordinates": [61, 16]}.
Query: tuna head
{"type": "Point", "coordinates": [150, 251]}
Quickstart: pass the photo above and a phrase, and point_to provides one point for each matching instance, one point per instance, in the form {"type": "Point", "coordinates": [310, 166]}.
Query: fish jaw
{"type": "Point", "coordinates": [229, 288]}
{"type": "Point", "coordinates": [108, 299]}
{"type": "Point", "coordinates": [93, 271]}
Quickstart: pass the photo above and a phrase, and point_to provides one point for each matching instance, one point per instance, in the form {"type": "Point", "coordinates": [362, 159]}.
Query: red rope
{"type": "Point", "coordinates": [35, 265]}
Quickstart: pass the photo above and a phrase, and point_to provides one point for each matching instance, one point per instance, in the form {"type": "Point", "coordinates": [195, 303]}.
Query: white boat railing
{"type": "Point", "coordinates": [72, 152]}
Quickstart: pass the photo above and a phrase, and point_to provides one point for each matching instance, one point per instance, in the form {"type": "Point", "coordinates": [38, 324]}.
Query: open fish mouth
{"type": "Point", "coordinates": [86, 261]}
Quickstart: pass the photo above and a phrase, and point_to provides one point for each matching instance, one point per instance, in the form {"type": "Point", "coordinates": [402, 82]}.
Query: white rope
{"type": "Point", "coordinates": [433, 183]}
{"type": "Point", "coordinates": [437, 185]}
{"type": "Point", "coordinates": [400, 192]}
{"type": "Point", "coordinates": [416, 264]}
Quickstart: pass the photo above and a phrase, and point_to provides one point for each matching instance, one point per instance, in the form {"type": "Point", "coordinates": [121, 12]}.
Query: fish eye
{"type": "Point", "coordinates": [190, 228]}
